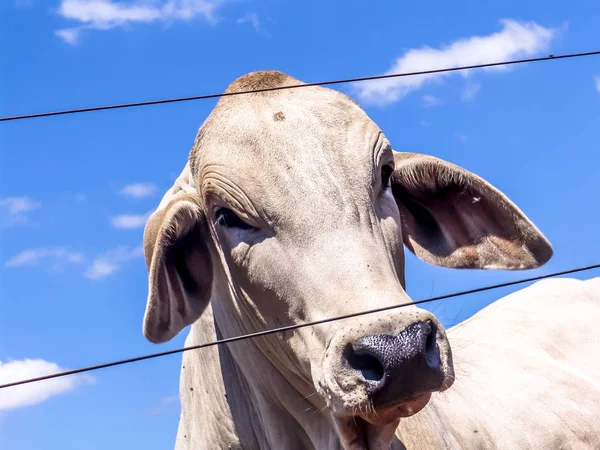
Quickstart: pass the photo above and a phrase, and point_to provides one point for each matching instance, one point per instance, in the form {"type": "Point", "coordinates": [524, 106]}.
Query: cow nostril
{"type": "Point", "coordinates": [431, 350]}
{"type": "Point", "coordinates": [431, 337]}
{"type": "Point", "coordinates": [368, 365]}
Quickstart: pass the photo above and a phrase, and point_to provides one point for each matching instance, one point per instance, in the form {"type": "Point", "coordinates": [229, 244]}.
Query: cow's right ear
{"type": "Point", "coordinates": [178, 261]}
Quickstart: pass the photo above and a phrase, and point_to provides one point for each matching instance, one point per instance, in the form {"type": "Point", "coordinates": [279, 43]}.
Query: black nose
{"type": "Point", "coordinates": [398, 367]}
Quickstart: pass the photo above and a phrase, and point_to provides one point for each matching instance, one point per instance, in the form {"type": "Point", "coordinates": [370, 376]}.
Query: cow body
{"type": "Point", "coordinates": [547, 395]}
{"type": "Point", "coordinates": [527, 375]}
{"type": "Point", "coordinates": [293, 207]}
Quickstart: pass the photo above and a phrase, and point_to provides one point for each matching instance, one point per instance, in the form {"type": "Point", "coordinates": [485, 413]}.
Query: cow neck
{"type": "Point", "coordinates": [277, 392]}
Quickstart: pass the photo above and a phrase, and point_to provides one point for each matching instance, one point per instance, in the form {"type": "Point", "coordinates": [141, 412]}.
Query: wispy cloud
{"type": "Point", "coordinates": [15, 209]}
{"type": "Point", "coordinates": [54, 258]}
{"type": "Point", "coordinates": [138, 190]}
{"type": "Point", "coordinates": [516, 39]}
{"type": "Point", "coordinates": [424, 123]}
{"type": "Point", "coordinates": [34, 393]}
{"type": "Point", "coordinates": [129, 221]}
{"type": "Point", "coordinates": [109, 14]}
{"type": "Point", "coordinates": [252, 18]}
{"type": "Point", "coordinates": [429, 101]}
{"type": "Point", "coordinates": [470, 91]}
{"type": "Point", "coordinates": [110, 262]}
{"type": "Point", "coordinates": [69, 35]}
{"type": "Point", "coordinates": [597, 82]}
{"type": "Point", "coordinates": [18, 205]}
{"type": "Point", "coordinates": [163, 405]}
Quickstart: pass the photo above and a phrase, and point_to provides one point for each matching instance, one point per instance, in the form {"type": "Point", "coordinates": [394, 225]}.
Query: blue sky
{"type": "Point", "coordinates": [75, 190]}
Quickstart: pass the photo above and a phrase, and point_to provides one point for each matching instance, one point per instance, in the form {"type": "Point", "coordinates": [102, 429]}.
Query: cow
{"type": "Point", "coordinates": [294, 207]}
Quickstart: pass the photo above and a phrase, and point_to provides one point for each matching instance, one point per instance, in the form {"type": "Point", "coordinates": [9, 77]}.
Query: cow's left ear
{"type": "Point", "coordinates": [453, 218]}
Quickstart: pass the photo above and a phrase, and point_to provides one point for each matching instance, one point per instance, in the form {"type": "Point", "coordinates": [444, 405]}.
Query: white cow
{"type": "Point", "coordinates": [293, 207]}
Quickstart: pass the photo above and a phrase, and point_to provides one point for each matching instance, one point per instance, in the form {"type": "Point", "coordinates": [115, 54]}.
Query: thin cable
{"type": "Point", "coordinates": [294, 327]}
{"type": "Point", "coordinates": [318, 83]}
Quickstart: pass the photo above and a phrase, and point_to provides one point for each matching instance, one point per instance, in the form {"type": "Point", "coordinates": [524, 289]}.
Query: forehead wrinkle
{"type": "Point", "coordinates": [214, 181]}
{"type": "Point", "coordinates": [380, 147]}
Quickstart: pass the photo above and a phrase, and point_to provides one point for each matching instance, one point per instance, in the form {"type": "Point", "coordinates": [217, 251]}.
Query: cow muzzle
{"type": "Point", "coordinates": [396, 368]}
{"type": "Point", "coordinates": [384, 371]}
{"type": "Point", "coordinates": [379, 370]}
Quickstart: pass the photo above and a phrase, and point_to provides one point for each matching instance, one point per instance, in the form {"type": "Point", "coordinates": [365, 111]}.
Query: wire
{"type": "Point", "coordinates": [293, 327]}
{"type": "Point", "coordinates": [318, 83]}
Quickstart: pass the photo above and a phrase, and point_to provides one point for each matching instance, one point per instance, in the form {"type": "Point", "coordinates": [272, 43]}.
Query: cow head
{"type": "Point", "coordinates": [293, 207]}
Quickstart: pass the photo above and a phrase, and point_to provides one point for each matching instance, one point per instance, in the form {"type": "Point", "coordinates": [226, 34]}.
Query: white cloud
{"type": "Point", "coordinates": [100, 269]}
{"type": "Point", "coordinates": [109, 14]}
{"type": "Point", "coordinates": [138, 190]}
{"type": "Point", "coordinates": [516, 39]}
{"type": "Point", "coordinates": [597, 82]}
{"type": "Point", "coordinates": [55, 257]}
{"type": "Point", "coordinates": [18, 205]}
{"type": "Point", "coordinates": [429, 101]}
{"type": "Point", "coordinates": [130, 221]}
{"type": "Point", "coordinates": [251, 18]}
{"type": "Point", "coordinates": [37, 392]}
{"type": "Point", "coordinates": [470, 91]}
{"type": "Point", "coordinates": [69, 35]}
{"type": "Point", "coordinates": [109, 262]}
{"type": "Point", "coordinates": [16, 209]}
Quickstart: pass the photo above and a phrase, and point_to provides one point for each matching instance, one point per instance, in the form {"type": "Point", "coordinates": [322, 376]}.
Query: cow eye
{"type": "Point", "coordinates": [229, 219]}
{"type": "Point", "coordinates": [386, 175]}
